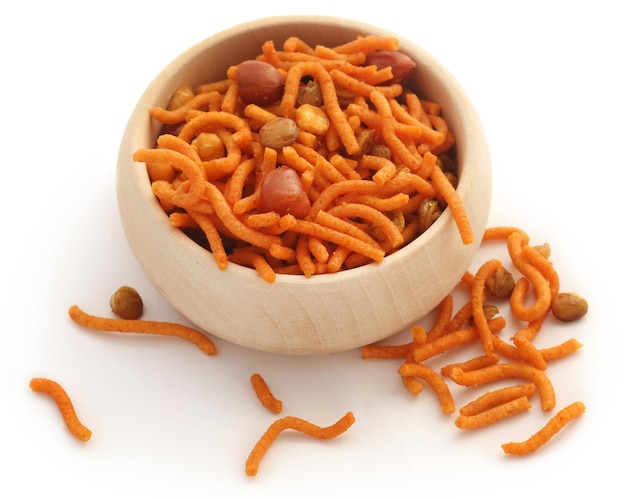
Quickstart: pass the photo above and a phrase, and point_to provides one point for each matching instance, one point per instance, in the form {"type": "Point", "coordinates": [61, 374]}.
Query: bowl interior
{"type": "Point", "coordinates": [325, 313]}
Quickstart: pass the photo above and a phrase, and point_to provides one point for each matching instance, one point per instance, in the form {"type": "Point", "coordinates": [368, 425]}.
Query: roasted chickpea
{"type": "Point", "coordinates": [126, 303]}
{"type": "Point", "coordinates": [569, 306]}
{"type": "Point", "coordinates": [312, 119]}
{"type": "Point", "coordinates": [278, 133]}
{"type": "Point", "coordinates": [181, 96]}
{"type": "Point", "coordinates": [209, 146]}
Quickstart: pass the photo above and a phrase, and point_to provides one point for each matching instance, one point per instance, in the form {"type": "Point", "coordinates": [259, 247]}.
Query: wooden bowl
{"type": "Point", "coordinates": [295, 314]}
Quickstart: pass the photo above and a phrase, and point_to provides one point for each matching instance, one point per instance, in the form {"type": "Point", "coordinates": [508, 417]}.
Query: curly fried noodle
{"type": "Point", "coordinates": [383, 151]}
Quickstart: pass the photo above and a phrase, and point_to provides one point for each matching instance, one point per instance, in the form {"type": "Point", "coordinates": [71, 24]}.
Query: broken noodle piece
{"type": "Point", "coordinates": [552, 427]}
{"type": "Point", "coordinates": [64, 403]}
{"type": "Point", "coordinates": [293, 423]}
{"type": "Point", "coordinates": [143, 326]}
{"type": "Point", "coordinates": [264, 394]}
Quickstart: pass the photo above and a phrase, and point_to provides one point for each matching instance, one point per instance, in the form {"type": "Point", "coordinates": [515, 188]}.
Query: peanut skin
{"type": "Point", "coordinates": [282, 191]}
{"type": "Point", "coordinates": [259, 82]}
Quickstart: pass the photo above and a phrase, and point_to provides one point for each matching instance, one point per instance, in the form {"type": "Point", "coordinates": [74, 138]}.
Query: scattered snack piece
{"type": "Point", "coordinates": [412, 385]}
{"type": "Point", "coordinates": [297, 424]}
{"type": "Point", "coordinates": [436, 382]}
{"type": "Point", "coordinates": [569, 307]}
{"type": "Point", "coordinates": [552, 427]}
{"type": "Point", "coordinates": [264, 394]}
{"type": "Point", "coordinates": [507, 370]}
{"type": "Point", "coordinates": [454, 339]}
{"type": "Point", "coordinates": [142, 326]}
{"type": "Point", "coordinates": [126, 303]}
{"type": "Point", "coordinates": [478, 302]}
{"type": "Point", "coordinates": [472, 364]}
{"type": "Point", "coordinates": [64, 403]}
{"type": "Point", "coordinates": [493, 414]}
{"type": "Point", "coordinates": [476, 322]}
{"type": "Point", "coordinates": [497, 397]}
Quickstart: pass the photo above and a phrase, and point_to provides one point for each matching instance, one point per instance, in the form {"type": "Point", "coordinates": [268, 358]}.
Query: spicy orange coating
{"type": "Point", "coordinates": [508, 370]}
{"type": "Point", "coordinates": [472, 364]}
{"type": "Point", "coordinates": [143, 326]}
{"type": "Point", "coordinates": [454, 202]}
{"type": "Point", "coordinates": [497, 397]}
{"type": "Point", "coordinates": [436, 382]}
{"type": "Point", "coordinates": [294, 423]}
{"type": "Point", "coordinates": [551, 428]}
{"type": "Point", "coordinates": [493, 414]}
{"type": "Point", "coordinates": [264, 393]}
{"type": "Point", "coordinates": [64, 403]}
{"type": "Point", "coordinates": [361, 107]}
{"type": "Point", "coordinates": [454, 339]}
{"type": "Point", "coordinates": [478, 300]}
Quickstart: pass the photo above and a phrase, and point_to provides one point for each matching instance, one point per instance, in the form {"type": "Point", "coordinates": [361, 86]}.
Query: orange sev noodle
{"type": "Point", "coordinates": [55, 391]}
{"type": "Point", "coordinates": [298, 424]}
{"type": "Point", "coordinates": [547, 432]}
{"type": "Point", "coordinates": [142, 326]}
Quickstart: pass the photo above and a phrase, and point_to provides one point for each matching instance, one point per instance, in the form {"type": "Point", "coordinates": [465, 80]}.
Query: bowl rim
{"type": "Point", "coordinates": [182, 59]}
{"type": "Point", "coordinates": [237, 273]}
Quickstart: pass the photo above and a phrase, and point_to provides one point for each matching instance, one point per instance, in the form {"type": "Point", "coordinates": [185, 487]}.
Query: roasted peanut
{"type": "Point", "coordinates": [282, 191]}
{"type": "Point", "coordinates": [402, 66]}
{"type": "Point", "coordinates": [259, 82]}
{"type": "Point", "coordinates": [278, 133]}
{"type": "Point", "coordinates": [569, 306]}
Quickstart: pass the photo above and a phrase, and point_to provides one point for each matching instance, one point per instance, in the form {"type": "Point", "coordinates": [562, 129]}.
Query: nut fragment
{"type": "Point", "coordinates": [428, 211]}
{"type": "Point", "coordinates": [569, 306]}
{"type": "Point", "coordinates": [543, 249]}
{"type": "Point", "coordinates": [181, 96]}
{"type": "Point", "coordinates": [366, 139]}
{"type": "Point", "coordinates": [500, 283]}
{"type": "Point", "coordinates": [310, 93]}
{"type": "Point", "coordinates": [126, 303]}
{"type": "Point", "coordinates": [490, 312]}
{"type": "Point", "coordinates": [312, 119]}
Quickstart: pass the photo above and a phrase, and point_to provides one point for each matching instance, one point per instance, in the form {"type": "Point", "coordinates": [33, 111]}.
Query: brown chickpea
{"type": "Point", "coordinates": [500, 283]}
{"type": "Point", "coordinates": [126, 303]}
{"type": "Point", "coordinates": [569, 306]}
{"type": "Point", "coordinates": [278, 133]}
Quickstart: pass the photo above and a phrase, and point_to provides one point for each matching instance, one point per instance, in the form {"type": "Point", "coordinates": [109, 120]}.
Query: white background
{"type": "Point", "coordinates": [547, 80]}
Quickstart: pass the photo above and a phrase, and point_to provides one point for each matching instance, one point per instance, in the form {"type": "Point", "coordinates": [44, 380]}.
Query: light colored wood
{"type": "Point", "coordinates": [296, 315]}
